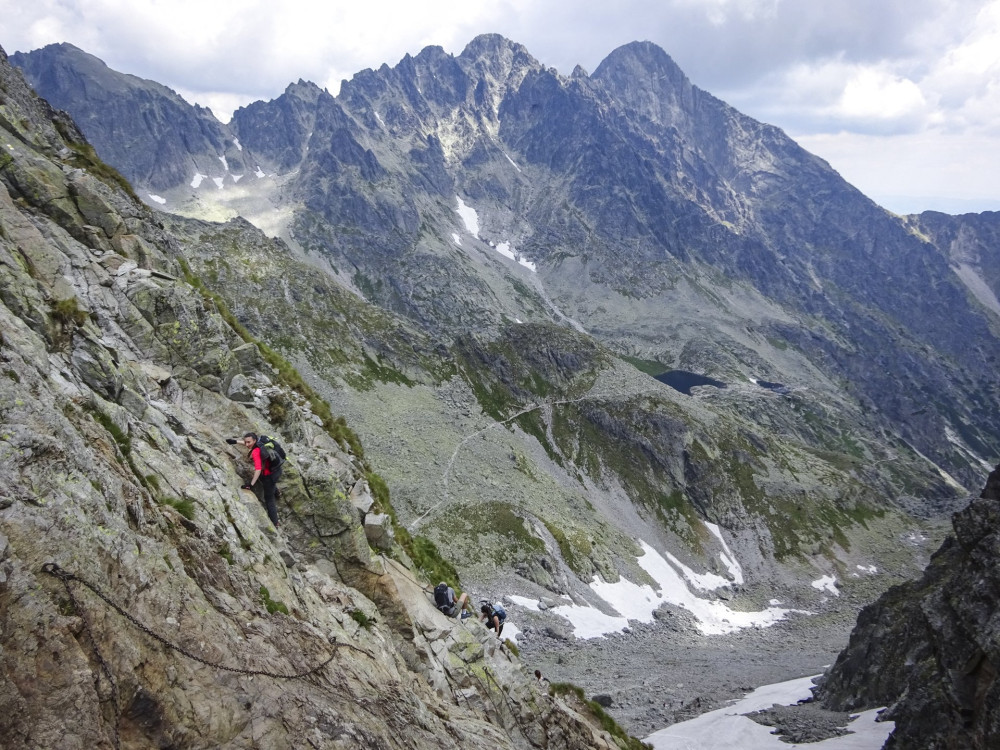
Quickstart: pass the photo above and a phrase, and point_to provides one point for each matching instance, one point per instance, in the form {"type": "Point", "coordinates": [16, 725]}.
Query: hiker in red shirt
{"type": "Point", "coordinates": [266, 471]}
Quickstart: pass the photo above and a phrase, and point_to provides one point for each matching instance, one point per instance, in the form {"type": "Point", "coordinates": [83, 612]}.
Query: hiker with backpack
{"type": "Point", "coordinates": [267, 456]}
{"type": "Point", "coordinates": [445, 601]}
{"type": "Point", "coordinates": [494, 615]}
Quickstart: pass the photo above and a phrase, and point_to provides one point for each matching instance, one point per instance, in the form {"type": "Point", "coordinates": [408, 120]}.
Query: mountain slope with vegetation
{"type": "Point", "coordinates": [144, 599]}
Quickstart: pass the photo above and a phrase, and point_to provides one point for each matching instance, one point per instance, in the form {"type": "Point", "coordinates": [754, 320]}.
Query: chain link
{"type": "Point", "coordinates": [65, 576]}
{"type": "Point", "coordinates": [105, 667]}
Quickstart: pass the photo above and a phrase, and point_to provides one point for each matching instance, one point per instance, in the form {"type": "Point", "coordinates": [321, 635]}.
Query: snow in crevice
{"type": "Point", "coordinates": [236, 142]}
{"type": "Point", "coordinates": [511, 161]}
{"type": "Point", "coordinates": [157, 198]}
{"type": "Point", "coordinates": [218, 181]}
{"type": "Point", "coordinates": [225, 164]}
{"type": "Point", "coordinates": [380, 122]}
{"type": "Point", "coordinates": [456, 239]}
{"type": "Point", "coordinates": [197, 179]}
{"type": "Point", "coordinates": [237, 177]}
{"type": "Point", "coordinates": [259, 172]}
{"type": "Point", "coordinates": [675, 583]}
{"type": "Point", "coordinates": [469, 217]}
{"type": "Point", "coordinates": [727, 557]}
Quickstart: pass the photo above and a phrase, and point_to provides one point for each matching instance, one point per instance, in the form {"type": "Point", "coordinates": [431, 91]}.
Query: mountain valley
{"type": "Point", "coordinates": [492, 273]}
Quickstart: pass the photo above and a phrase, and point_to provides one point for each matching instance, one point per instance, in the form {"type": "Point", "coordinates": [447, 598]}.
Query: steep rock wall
{"type": "Point", "coordinates": [930, 649]}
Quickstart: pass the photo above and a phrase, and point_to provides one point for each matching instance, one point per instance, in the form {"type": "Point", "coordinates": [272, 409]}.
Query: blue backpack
{"type": "Point", "coordinates": [495, 609]}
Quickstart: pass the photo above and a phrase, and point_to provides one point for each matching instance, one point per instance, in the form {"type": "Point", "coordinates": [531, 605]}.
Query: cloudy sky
{"type": "Point", "coordinates": [902, 97]}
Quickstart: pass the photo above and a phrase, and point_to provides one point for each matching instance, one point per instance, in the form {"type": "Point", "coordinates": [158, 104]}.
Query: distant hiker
{"type": "Point", "coordinates": [267, 456]}
{"type": "Point", "coordinates": [541, 680]}
{"type": "Point", "coordinates": [444, 600]}
{"type": "Point", "coordinates": [494, 615]}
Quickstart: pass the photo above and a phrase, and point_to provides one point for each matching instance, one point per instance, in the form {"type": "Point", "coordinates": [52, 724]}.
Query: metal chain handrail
{"type": "Point", "coordinates": [65, 576]}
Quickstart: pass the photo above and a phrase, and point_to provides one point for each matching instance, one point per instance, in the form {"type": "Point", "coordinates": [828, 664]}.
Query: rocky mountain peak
{"type": "Point", "coordinates": [647, 80]}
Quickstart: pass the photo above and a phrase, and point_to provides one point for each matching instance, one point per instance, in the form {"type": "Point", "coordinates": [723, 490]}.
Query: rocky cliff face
{"type": "Point", "coordinates": [928, 649]}
{"type": "Point", "coordinates": [143, 129]}
{"type": "Point", "coordinates": [182, 618]}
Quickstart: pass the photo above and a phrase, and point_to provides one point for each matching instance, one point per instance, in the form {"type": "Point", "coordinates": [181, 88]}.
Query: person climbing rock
{"type": "Point", "coordinates": [494, 615]}
{"type": "Point", "coordinates": [444, 600]}
{"type": "Point", "coordinates": [268, 457]}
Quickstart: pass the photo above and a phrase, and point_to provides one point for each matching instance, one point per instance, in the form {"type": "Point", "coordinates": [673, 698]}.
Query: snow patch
{"type": "Point", "coordinates": [590, 622]}
{"type": "Point", "coordinates": [469, 216]}
{"type": "Point", "coordinates": [379, 120]}
{"type": "Point", "coordinates": [703, 581]}
{"type": "Point", "coordinates": [634, 602]}
{"type": "Point", "coordinates": [218, 181]}
{"type": "Point", "coordinates": [511, 161]}
{"type": "Point", "coordinates": [237, 177]}
{"type": "Point", "coordinates": [728, 728]}
{"type": "Point", "coordinates": [259, 172]}
{"type": "Point", "coordinates": [774, 602]}
{"type": "Point", "coordinates": [869, 569]}
{"type": "Point", "coordinates": [458, 240]}
{"type": "Point", "coordinates": [236, 142]}
{"type": "Point", "coordinates": [727, 557]}
{"type": "Point", "coordinates": [956, 440]}
{"type": "Point", "coordinates": [225, 164]}
{"type": "Point", "coordinates": [506, 251]}
{"type": "Point", "coordinates": [826, 583]}
{"type": "Point", "coordinates": [157, 198]}
{"type": "Point", "coordinates": [510, 632]}
{"type": "Point", "coordinates": [714, 617]}
{"type": "Point", "coordinates": [197, 179]}
{"type": "Point", "coordinates": [523, 601]}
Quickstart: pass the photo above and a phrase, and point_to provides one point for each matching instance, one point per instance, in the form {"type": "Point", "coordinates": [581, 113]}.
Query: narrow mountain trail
{"type": "Point", "coordinates": [445, 475]}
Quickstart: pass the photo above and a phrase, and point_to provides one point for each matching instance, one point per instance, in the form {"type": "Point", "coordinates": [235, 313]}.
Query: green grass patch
{"type": "Point", "coordinates": [575, 548]}
{"type": "Point", "coordinates": [649, 366]}
{"type": "Point", "coordinates": [69, 313]}
{"type": "Point", "coordinates": [183, 506]}
{"type": "Point", "coordinates": [361, 618]}
{"type": "Point", "coordinates": [271, 605]}
{"type": "Point", "coordinates": [85, 157]}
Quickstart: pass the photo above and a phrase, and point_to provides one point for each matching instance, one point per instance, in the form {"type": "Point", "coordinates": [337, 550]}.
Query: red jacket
{"type": "Point", "coordinates": [259, 464]}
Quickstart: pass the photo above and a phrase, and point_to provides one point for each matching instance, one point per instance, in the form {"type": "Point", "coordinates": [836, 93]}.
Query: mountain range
{"type": "Point", "coordinates": [495, 272]}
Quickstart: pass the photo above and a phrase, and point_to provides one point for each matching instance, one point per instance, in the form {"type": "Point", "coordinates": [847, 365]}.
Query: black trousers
{"type": "Point", "coordinates": [270, 485]}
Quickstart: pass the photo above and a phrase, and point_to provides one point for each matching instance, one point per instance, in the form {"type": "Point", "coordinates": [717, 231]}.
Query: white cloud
{"type": "Point", "coordinates": [878, 94]}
